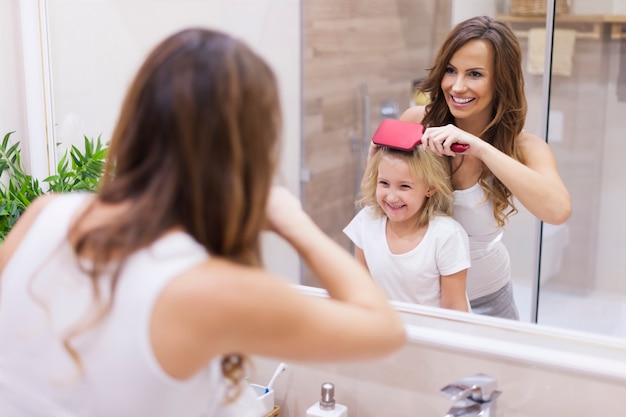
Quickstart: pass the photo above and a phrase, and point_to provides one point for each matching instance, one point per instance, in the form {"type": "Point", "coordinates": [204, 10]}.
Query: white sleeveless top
{"type": "Point", "coordinates": [121, 376]}
{"type": "Point", "coordinates": [491, 266]}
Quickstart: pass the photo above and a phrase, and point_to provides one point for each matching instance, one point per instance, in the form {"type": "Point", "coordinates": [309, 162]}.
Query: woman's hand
{"type": "Point", "coordinates": [283, 211]}
{"type": "Point", "coordinates": [440, 139]}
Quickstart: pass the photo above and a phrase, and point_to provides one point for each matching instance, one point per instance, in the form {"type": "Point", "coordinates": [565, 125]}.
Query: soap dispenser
{"type": "Point", "coordinates": [326, 406]}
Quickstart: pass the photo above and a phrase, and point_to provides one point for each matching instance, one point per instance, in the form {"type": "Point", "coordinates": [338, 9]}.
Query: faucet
{"type": "Point", "coordinates": [473, 396]}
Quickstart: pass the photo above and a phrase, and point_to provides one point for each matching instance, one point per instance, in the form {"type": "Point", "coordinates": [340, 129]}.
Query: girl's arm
{"type": "Point", "coordinates": [453, 295]}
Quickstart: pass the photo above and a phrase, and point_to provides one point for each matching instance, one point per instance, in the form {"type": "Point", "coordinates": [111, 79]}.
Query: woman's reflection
{"type": "Point", "coordinates": [476, 88]}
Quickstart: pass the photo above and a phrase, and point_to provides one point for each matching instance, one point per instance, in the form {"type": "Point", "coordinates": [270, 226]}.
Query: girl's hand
{"type": "Point", "coordinates": [440, 139]}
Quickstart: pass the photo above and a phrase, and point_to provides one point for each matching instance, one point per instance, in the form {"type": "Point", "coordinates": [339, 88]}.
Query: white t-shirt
{"type": "Point", "coordinates": [412, 276]}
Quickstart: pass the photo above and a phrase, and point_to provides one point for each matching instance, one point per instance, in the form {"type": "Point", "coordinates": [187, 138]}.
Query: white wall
{"type": "Point", "coordinates": [619, 6]}
{"type": "Point", "coordinates": [610, 273]}
{"type": "Point", "coordinates": [463, 9]}
{"type": "Point", "coordinates": [96, 47]}
{"type": "Point", "coordinates": [11, 111]}
{"type": "Point", "coordinates": [591, 7]}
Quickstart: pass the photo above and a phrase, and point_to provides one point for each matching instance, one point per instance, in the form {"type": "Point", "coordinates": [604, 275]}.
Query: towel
{"type": "Point", "coordinates": [562, 51]}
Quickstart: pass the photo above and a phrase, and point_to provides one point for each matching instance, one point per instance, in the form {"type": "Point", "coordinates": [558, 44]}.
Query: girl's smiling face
{"type": "Point", "coordinates": [468, 83]}
{"type": "Point", "coordinates": [399, 194]}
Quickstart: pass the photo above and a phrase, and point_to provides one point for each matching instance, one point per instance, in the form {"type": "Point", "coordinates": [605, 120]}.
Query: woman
{"type": "Point", "coordinates": [476, 88]}
{"type": "Point", "coordinates": [143, 299]}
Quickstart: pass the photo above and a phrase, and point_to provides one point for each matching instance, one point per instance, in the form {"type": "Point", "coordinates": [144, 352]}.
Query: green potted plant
{"type": "Point", "coordinates": [76, 171]}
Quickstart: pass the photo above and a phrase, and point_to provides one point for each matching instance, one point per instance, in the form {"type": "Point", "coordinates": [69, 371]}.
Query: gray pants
{"type": "Point", "coordinates": [498, 304]}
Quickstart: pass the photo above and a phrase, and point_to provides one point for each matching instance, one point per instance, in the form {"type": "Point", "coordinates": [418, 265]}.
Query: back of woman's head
{"type": "Point", "coordinates": [424, 165]}
{"type": "Point", "coordinates": [196, 145]}
{"type": "Point", "coordinates": [509, 107]}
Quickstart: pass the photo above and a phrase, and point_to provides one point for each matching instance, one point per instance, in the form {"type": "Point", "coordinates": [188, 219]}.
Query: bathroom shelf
{"type": "Point", "coordinates": [594, 23]}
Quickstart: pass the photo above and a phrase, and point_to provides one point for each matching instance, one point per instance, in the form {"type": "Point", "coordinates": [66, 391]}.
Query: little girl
{"type": "Point", "coordinates": [405, 235]}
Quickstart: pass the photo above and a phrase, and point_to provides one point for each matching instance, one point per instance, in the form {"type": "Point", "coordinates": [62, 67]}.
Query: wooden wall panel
{"type": "Point", "coordinates": [381, 44]}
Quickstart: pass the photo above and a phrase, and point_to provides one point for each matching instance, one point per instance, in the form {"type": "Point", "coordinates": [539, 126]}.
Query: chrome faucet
{"type": "Point", "coordinates": [473, 396]}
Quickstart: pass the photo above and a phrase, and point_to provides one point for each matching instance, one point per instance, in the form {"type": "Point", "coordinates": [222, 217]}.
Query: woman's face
{"type": "Point", "coordinates": [468, 83]}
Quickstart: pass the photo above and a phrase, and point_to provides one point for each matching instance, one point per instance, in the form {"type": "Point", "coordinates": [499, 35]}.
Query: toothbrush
{"type": "Point", "coordinates": [281, 368]}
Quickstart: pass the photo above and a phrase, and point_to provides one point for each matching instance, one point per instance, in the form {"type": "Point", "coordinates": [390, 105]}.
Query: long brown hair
{"type": "Point", "coordinates": [195, 147]}
{"type": "Point", "coordinates": [509, 107]}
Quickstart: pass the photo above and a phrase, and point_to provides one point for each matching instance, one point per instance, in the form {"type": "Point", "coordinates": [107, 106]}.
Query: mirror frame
{"type": "Point", "coordinates": [525, 343]}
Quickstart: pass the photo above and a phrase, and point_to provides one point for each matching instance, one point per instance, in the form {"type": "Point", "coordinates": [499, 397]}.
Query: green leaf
{"type": "Point", "coordinates": [76, 171]}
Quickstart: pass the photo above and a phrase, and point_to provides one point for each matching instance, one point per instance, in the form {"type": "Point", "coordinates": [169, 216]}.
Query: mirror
{"type": "Point", "coordinates": [354, 57]}
{"type": "Point", "coordinates": [360, 57]}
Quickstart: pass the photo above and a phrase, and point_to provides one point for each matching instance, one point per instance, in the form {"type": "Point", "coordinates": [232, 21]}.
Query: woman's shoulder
{"type": "Point", "coordinates": [414, 114]}
{"type": "Point", "coordinates": [531, 145]}
{"type": "Point", "coordinates": [22, 226]}
{"type": "Point", "coordinates": [526, 137]}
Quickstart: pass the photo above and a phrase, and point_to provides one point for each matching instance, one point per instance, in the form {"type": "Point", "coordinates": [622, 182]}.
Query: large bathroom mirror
{"type": "Point", "coordinates": [343, 66]}
{"type": "Point", "coordinates": [360, 62]}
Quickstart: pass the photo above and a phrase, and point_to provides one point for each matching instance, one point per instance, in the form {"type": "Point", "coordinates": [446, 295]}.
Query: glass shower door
{"type": "Point", "coordinates": [583, 274]}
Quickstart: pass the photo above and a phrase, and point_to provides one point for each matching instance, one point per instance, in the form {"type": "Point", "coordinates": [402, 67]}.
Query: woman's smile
{"type": "Point", "coordinates": [461, 100]}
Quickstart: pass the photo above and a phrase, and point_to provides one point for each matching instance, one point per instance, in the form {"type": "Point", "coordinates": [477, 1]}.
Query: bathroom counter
{"type": "Point", "coordinates": [540, 371]}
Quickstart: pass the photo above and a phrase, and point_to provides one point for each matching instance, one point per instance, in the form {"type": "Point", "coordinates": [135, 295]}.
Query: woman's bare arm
{"type": "Point", "coordinates": [537, 183]}
{"type": "Point", "coordinates": [222, 307]}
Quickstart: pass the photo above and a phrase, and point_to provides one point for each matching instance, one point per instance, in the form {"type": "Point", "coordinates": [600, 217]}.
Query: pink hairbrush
{"type": "Point", "coordinates": [404, 136]}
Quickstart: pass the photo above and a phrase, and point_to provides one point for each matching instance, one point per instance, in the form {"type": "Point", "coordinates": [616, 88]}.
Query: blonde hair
{"type": "Point", "coordinates": [424, 165]}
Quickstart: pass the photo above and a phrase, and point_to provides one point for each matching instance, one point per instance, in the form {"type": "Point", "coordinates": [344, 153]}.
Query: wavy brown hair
{"type": "Point", "coordinates": [195, 147]}
{"type": "Point", "coordinates": [424, 165]}
{"type": "Point", "coordinates": [509, 107]}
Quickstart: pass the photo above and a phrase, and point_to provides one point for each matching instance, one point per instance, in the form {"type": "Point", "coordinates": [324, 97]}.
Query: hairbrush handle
{"type": "Point", "coordinates": [459, 147]}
